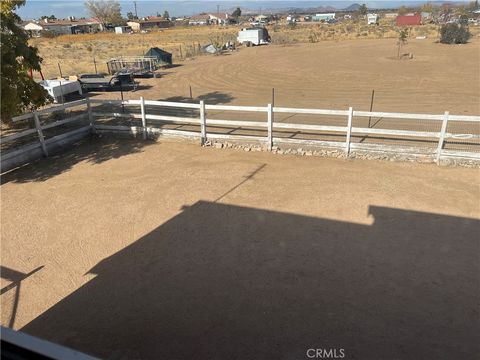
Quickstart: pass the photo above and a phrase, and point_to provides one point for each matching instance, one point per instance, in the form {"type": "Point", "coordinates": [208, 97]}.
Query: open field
{"type": "Point", "coordinates": [331, 75]}
{"type": "Point", "coordinates": [169, 250]}
{"type": "Point", "coordinates": [75, 53]}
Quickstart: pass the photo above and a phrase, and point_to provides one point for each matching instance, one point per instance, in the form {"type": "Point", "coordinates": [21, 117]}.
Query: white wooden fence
{"type": "Point", "coordinates": [150, 122]}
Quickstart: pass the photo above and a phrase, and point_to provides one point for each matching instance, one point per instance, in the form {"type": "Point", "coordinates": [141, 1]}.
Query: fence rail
{"type": "Point", "coordinates": [268, 129]}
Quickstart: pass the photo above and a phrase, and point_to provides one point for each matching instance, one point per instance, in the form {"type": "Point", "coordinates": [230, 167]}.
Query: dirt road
{"type": "Point", "coordinates": [128, 249]}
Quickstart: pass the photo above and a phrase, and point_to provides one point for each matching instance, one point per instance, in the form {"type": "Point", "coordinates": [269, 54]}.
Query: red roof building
{"type": "Point", "coordinates": [409, 20]}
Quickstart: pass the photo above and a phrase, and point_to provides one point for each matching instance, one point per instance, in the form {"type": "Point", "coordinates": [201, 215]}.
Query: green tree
{"type": "Point", "coordinates": [428, 7]}
{"type": "Point", "coordinates": [51, 17]}
{"type": "Point", "coordinates": [454, 34]}
{"type": "Point", "coordinates": [19, 91]}
{"type": "Point", "coordinates": [363, 10]}
{"type": "Point", "coordinates": [237, 13]}
{"type": "Point", "coordinates": [106, 11]}
{"type": "Point", "coordinates": [402, 40]}
{"type": "Point", "coordinates": [130, 16]}
{"type": "Point", "coordinates": [166, 15]}
{"type": "Point", "coordinates": [402, 10]}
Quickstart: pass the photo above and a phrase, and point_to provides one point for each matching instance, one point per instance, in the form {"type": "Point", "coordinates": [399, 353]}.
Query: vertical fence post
{"type": "Point", "coordinates": [40, 133]}
{"type": "Point", "coordinates": [203, 123]}
{"type": "Point", "coordinates": [90, 114]}
{"type": "Point", "coordinates": [349, 130]}
{"type": "Point", "coordinates": [442, 136]}
{"type": "Point", "coordinates": [270, 127]}
{"type": "Point", "coordinates": [144, 119]}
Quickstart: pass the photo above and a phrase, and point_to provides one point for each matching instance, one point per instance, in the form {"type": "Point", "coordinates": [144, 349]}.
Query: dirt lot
{"type": "Point", "coordinates": [169, 250]}
{"type": "Point", "coordinates": [332, 75]}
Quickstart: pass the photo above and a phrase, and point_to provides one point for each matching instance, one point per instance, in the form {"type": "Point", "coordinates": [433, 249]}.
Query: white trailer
{"type": "Point", "coordinates": [372, 19]}
{"type": "Point", "coordinates": [253, 36]}
{"type": "Point", "coordinates": [59, 88]}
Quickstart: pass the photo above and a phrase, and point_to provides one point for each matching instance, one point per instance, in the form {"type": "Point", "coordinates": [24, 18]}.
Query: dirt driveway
{"type": "Point", "coordinates": [126, 249]}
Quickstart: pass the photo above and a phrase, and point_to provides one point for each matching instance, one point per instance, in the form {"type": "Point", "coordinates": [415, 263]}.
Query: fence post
{"type": "Point", "coordinates": [270, 127]}
{"type": "Point", "coordinates": [203, 123]}
{"type": "Point", "coordinates": [89, 110]}
{"type": "Point", "coordinates": [40, 133]}
{"type": "Point", "coordinates": [144, 119]}
{"type": "Point", "coordinates": [442, 136]}
{"type": "Point", "coordinates": [349, 130]}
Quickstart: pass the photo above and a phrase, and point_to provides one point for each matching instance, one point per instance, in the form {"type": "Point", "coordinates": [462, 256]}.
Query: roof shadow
{"type": "Point", "coordinates": [220, 281]}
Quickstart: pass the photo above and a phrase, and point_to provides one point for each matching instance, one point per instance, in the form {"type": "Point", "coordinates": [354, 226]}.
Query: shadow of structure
{"type": "Point", "coordinates": [95, 152]}
{"type": "Point", "coordinates": [15, 278]}
{"type": "Point", "coordinates": [226, 282]}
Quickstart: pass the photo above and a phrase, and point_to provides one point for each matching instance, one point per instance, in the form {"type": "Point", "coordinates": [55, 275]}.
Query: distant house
{"type": "Point", "coordinates": [149, 23]}
{"type": "Point", "coordinates": [220, 19]}
{"type": "Point", "coordinates": [65, 27]}
{"type": "Point", "coordinates": [409, 20]}
{"type": "Point", "coordinates": [323, 17]}
{"type": "Point", "coordinates": [33, 29]}
{"type": "Point", "coordinates": [202, 19]}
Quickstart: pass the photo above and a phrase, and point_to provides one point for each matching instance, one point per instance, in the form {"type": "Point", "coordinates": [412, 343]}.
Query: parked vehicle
{"type": "Point", "coordinates": [95, 82]}
{"type": "Point", "coordinates": [100, 82]}
{"type": "Point", "coordinates": [253, 36]}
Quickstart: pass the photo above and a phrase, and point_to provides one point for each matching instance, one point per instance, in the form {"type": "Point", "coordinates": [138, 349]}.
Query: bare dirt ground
{"type": "Point", "coordinates": [169, 250]}
{"type": "Point", "coordinates": [332, 75]}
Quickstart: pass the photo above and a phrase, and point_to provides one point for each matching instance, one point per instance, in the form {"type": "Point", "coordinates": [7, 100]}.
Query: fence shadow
{"type": "Point", "coordinates": [93, 150]}
{"type": "Point", "coordinates": [226, 282]}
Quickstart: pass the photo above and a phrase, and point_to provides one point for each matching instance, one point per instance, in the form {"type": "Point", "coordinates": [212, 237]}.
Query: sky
{"type": "Point", "coordinates": [64, 8]}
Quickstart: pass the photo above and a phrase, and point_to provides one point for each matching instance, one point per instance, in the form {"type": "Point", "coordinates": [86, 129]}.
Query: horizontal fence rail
{"type": "Point", "coordinates": [194, 121]}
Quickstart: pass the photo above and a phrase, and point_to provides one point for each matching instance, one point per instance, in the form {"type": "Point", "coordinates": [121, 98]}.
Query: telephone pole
{"type": "Point", "coordinates": [218, 9]}
{"type": "Point", "coordinates": [135, 5]}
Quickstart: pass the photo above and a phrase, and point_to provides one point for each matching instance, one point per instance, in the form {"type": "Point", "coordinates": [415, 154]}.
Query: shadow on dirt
{"type": "Point", "coordinates": [226, 282]}
{"type": "Point", "coordinates": [93, 150]}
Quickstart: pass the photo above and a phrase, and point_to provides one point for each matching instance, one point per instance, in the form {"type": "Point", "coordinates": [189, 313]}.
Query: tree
{"type": "Point", "coordinates": [402, 10]}
{"type": "Point", "coordinates": [51, 17]}
{"type": "Point", "coordinates": [363, 10]}
{"type": "Point", "coordinates": [454, 34]}
{"type": "Point", "coordinates": [237, 13]}
{"type": "Point", "coordinates": [402, 40]}
{"type": "Point", "coordinates": [19, 91]}
{"type": "Point", "coordinates": [106, 11]}
{"type": "Point", "coordinates": [166, 15]}
{"type": "Point", "coordinates": [428, 8]}
{"type": "Point", "coordinates": [130, 16]}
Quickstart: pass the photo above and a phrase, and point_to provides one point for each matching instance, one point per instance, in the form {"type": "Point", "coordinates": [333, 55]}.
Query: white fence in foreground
{"type": "Point", "coordinates": [154, 124]}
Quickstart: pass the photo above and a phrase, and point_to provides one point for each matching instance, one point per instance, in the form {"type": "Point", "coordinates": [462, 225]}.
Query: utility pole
{"type": "Point", "coordinates": [218, 9]}
{"type": "Point", "coordinates": [135, 5]}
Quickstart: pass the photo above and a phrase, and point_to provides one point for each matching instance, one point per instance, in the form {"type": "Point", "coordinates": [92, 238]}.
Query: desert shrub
{"type": "Point", "coordinates": [67, 46]}
{"type": "Point", "coordinates": [313, 37]}
{"type": "Point", "coordinates": [47, 34]}
{"type": "Point", "coordinates": [454, 34]}
{"type": "Point", "coordinates": [89, 48]}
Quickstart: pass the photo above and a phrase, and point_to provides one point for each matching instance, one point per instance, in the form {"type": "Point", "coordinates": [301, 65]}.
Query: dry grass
{"type": "Point", "coordinates": [75, 53]}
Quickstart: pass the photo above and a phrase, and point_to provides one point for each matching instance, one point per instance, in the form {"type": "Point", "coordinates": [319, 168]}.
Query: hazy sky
{"type": "Point", "coordinates": [65, 8]}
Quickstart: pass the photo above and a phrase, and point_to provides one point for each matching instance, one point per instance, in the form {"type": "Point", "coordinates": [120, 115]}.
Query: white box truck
{"type": "Point", "coordinates": [253, 36]}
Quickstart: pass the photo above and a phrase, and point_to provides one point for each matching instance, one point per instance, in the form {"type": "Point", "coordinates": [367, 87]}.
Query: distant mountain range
{"type": "Point", "coordinates": [63, 9]}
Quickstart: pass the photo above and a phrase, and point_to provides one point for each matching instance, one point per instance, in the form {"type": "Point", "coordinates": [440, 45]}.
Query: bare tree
{"type": "Point", "coordinates": [106, 11]}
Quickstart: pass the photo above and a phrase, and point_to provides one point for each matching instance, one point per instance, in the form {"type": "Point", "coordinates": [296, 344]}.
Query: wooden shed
{"type": "Point", "coordinates": [409, 20]}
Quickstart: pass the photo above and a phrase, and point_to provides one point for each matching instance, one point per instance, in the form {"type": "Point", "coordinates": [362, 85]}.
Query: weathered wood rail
{"type": "Point", "coordinates": [154, 124]}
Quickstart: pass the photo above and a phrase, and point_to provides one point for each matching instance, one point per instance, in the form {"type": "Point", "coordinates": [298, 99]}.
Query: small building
{"type": "Point", "coordinates": [149, 23]}
{"type": "Point", "coordinates": [220, 19]}
{"type": "Point", "coordinates": [202, 19]}
{"type": "Point", "coordinates": [409, 20]}
{"type": "Point", "coordinates": [292, 19]}
{"type": "Point", "coordinates": [33, 29]}
{"type": "Point", "coordinates": [161, 56]}
{"type": "Point", "coordinates": [123, 29]}
{"type": "Point", "coordinates": [324, 17]}
{"type": "Point", "coordinates": [372, 19]}
{"type": "Point", "coordinates": [70, 26]}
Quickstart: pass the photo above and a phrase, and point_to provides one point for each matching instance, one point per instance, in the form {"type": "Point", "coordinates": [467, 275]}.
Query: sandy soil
{"type": "Point", "coordinates": [169, 250]}
{"type": "Point", "coordinates": [332, 75]}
